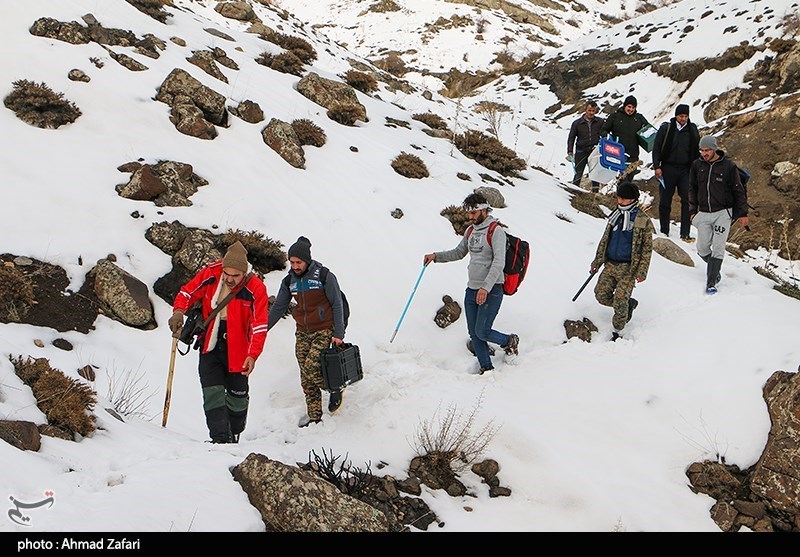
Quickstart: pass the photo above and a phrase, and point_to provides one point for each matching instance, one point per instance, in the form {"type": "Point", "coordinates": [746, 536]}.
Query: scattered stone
{"type": "Point", "coordinates": [354, 149]}
{"type": "Point", "coordinates": [397, 213]}
{"type": "Point", "coordinates": [124, 296]}
{"type": "Point", "coordinates": [411, 485]}
{"type": "Point", "coordinates": [22, 261]}
{"type": "Point", "coordinates": [38, 342]}
{"type": "Point", "coordinates": [499, 491]}
{"type": "Point", "coordinates": [582, 329]}
{"type": "Point", "coordinates": [126, 61]}
{"type": "Point", "coordinates": [55, 431]}
{"type": "Point", "coordinates": [115, 414]}
{"type": "Point", "coordinates": [135, 214]}
{"type": "Point", "coordinates": [178, 41]}
{"type": "Point", "coordinates": [219, 34]}
{"type": "Point", "coordinates": [111, 257]}
{"type": "Point", "coordinates": [63, 344]}
{"type": "Point", "coordinates": [486, 469]}
{"type": "Point", "coordinates": [87, 372]}
{"type": "Point", "coordinates": [78, 75]}
{"type": "Point", "coordinates": [670, 250]}
{"type": "Point", "coordinates": [427, 95]}
{"type": "Point", "coordinates": [249, 111]}
{"type": "Point", "coordinates": [241, 11]}
{"type": "Point", "coordinates": [333, 95]}
{"type": "Point", "coordinates": [448, 313]}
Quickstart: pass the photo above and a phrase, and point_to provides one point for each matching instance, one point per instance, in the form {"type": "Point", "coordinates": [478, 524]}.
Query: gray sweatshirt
{"type": "Point", "coordinates": [485, 267]}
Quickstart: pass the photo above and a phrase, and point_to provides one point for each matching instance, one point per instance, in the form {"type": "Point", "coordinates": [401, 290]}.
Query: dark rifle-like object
{"type": "Point", "coordinates": [586, 282]}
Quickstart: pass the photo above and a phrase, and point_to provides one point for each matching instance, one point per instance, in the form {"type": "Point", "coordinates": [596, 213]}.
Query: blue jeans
{"type": "Point", "coordinates": [480, 319]}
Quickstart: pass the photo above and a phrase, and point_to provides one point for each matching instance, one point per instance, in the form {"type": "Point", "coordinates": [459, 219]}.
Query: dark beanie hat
{"type": "Point", "coordinates": [301, 249]}
{"type": "Point", "coordinates": [682, 109]}
{"type": "Point", "coordinates": [236, 257]}
{"type": "Point", "coordinates": [630, 99]}
{"type": "Point", "coordinates": [627, 190]}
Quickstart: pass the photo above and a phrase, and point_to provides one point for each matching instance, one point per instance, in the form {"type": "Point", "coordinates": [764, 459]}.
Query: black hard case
{"type": "Point", "coordinates": [341, 366]}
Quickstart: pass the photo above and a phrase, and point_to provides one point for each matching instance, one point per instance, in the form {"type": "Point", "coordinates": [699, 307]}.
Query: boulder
{"type": "Point", "coordinates": [670, 250]}
{"type": "Point", "coordinates": [293, 500]}
{"type": "Point", "coordinates": [180, 87]}
{"type": "Point", "coordinates": [241, 11]}
{"type": "Point", "coordinates": [249, 111]}
{"type": "Point", "coordinates": [331, 94]}
{"type": "Point", "coordinates": [204, 60]}
{"type": "Point", "coordinates": [23, 435]}
{"type": "Point", "coordinates": [197, 251]}
{"type": "Point", "coordinates": [775, 479]}
{"type": "Point", "coordinates": [281, 138]}
{"type": "Point", "coordinates": [493, 196]}
{"type": "Point", "coordinates": [123, 294]}
{"type": "Point", "coordinates": [167, 236]}
{"type": "Point", "coordinates": [167, 183]}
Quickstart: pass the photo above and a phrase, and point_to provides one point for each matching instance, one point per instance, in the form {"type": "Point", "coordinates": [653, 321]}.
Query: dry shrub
{"type": "Point", "coordinates": [361, 81]}
{"type": "Point", "coordinates": [40, 106]}
{"type": "Point", "coordinates": [264, 255]}
{"type": "Point", "coordinates": [410, 166]}
{"type": "Point", "coordinates": [285, 62]}
{"type": "Point", "coordinates": [16, 295]}
{"type": "Point", "coordinates": [309, 133]}
{"type": "Point", "coordinates": [393, 64]}
{"type": "Point", "coordinates": [345, 114]}
{"type": "Point", "coordinates": [301, 48]}
{"type": "Point", "coordinates": [451, 437]}
{"type": "Point", "coordinates": [66, 403]}
{"type": "Point", "coordinates": [152, 8]}
{"type": "Point", "coordinates": [489, 152]}
{"type": "Point", "coordinates": [457, 217]}
{"type": "Point", "coordinates": [433, 121]}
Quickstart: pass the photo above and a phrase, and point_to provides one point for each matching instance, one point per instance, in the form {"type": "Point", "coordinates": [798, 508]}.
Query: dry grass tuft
{"type": "Point", "coordinates": [410, 166]}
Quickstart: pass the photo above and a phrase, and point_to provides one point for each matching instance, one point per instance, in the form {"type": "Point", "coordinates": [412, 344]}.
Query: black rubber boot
{"type": "Point", "coordinates": [713, 272]}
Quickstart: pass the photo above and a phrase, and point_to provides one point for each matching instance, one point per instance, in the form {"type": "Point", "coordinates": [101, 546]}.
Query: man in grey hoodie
{"type": "Point", "coordinates": [485, 242]}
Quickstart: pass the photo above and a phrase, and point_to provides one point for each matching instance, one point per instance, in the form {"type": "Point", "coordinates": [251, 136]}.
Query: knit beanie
{"type": "Point", "coordinates": [236, 257]}
{"type": "Point", "coordinates": [708, 142]}
{"type": "Point", "coordinates": [682, 109]}
{"type": "Point", "coordinates": [627, 190]}
{"type": "Point", "coordinates": [630, 99]}
{"type": "Point", "coordinates": [301, 249]}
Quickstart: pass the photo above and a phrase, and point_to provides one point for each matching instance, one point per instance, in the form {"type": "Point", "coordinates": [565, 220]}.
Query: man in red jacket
{"type": "Point", "coordinates": [232, 341]}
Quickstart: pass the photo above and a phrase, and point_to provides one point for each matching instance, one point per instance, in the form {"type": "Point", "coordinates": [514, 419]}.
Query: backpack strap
{"type": "Point", "coordinates": [225, 301]}
{"type": "Point", "coordinates": [492, 225]}
{"type": "Point", "coordinates": [323, 274]}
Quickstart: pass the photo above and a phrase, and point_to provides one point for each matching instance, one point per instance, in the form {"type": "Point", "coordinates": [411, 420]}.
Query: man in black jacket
{"type": "Point", "coordinates": [623, 125]}
{"type": "Point", "coordinates": [716, 199]}
{"type": "Point", "coordinates": [584, 134]}
{"type": "Point", "coordinates": [675, 148]}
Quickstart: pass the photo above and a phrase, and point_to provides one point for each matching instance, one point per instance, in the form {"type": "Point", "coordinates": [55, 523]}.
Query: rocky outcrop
{"type": "Point", "coordinates": [166, 183]}
{"type": "Point", "coordinates": [23, 435]}
{"type": "Point", "coordinates": [331, 94]}
{"type": "Point", "coordinates": [281, 138]}
{"type": "Point", "coordinates": [776, 478]}
{"type": "Point", "coordinates": [126, 297]}
{"type": "Point", "coordinates": [448, 313]}
{"type": "Point", "coordinates": [207, 61]}
{"type": "Point", "coordinates": [293, 500]}
{"type": "Point", "coordinates": [74, 33]}
{"type": "Point", "coordinates": [765, 497]}
{"type": "Point", "coordinates": [195, 107]}
{"type": "Point", "coordinates": [670, 250]}
{"type": "Point", "coordinates": [517, 13]}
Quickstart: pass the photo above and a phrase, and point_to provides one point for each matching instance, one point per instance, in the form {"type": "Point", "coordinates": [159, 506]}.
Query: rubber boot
{"type": "Point", "coordinates": [712, 272]}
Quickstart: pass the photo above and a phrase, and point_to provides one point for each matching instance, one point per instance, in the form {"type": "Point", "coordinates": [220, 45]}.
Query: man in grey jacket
{"type": "Point", "coordinates": [485, 242]}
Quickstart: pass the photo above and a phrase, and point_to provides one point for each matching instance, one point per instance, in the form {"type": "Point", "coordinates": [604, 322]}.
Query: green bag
{"type": "Point", "coordinates": [646, 137]}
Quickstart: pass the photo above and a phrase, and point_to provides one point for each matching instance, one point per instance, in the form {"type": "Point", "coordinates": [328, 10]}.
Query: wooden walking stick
{"type": "Point", "coordinates": [169, 381]}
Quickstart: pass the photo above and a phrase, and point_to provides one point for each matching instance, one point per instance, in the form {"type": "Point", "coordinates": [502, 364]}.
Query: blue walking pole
{"type": "Point", "coordinates": [408, 303]}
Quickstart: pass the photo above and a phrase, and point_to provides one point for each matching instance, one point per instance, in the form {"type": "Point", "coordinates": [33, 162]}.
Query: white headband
{"type": "Point", "coordinates": [479, 207]}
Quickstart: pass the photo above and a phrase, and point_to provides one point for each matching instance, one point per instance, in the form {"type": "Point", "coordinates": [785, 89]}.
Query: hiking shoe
{"type": "Point", "coordinates": [632, 303]}
{"type": "Point", "coordinates": [305, 421]}
{"type": "Point", "coordinates": [687, 239]}
{"type": "Point", "coordinates": [487, 368]}
{"type": "Point", "coordinates": [335, 402]}
{"type": "Point", "coordinates": [711, 290]}
{"type": "Point", "coordinates": [615, 335]}
{"type": "Point", "coordinates": [512, 348]}
{"type": "Point", "coordinates": [472, 350]}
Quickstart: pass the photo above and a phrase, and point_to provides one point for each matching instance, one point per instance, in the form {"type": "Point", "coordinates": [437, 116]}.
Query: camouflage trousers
{"type": "Point", "coordinates": [614, 289]}
{"type": "Point", "coordinates": [307, 349]}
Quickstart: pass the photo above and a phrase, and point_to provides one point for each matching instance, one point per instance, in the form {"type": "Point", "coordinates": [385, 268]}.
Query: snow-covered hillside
{"type": "Point", "coordinates": [593, 436]}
